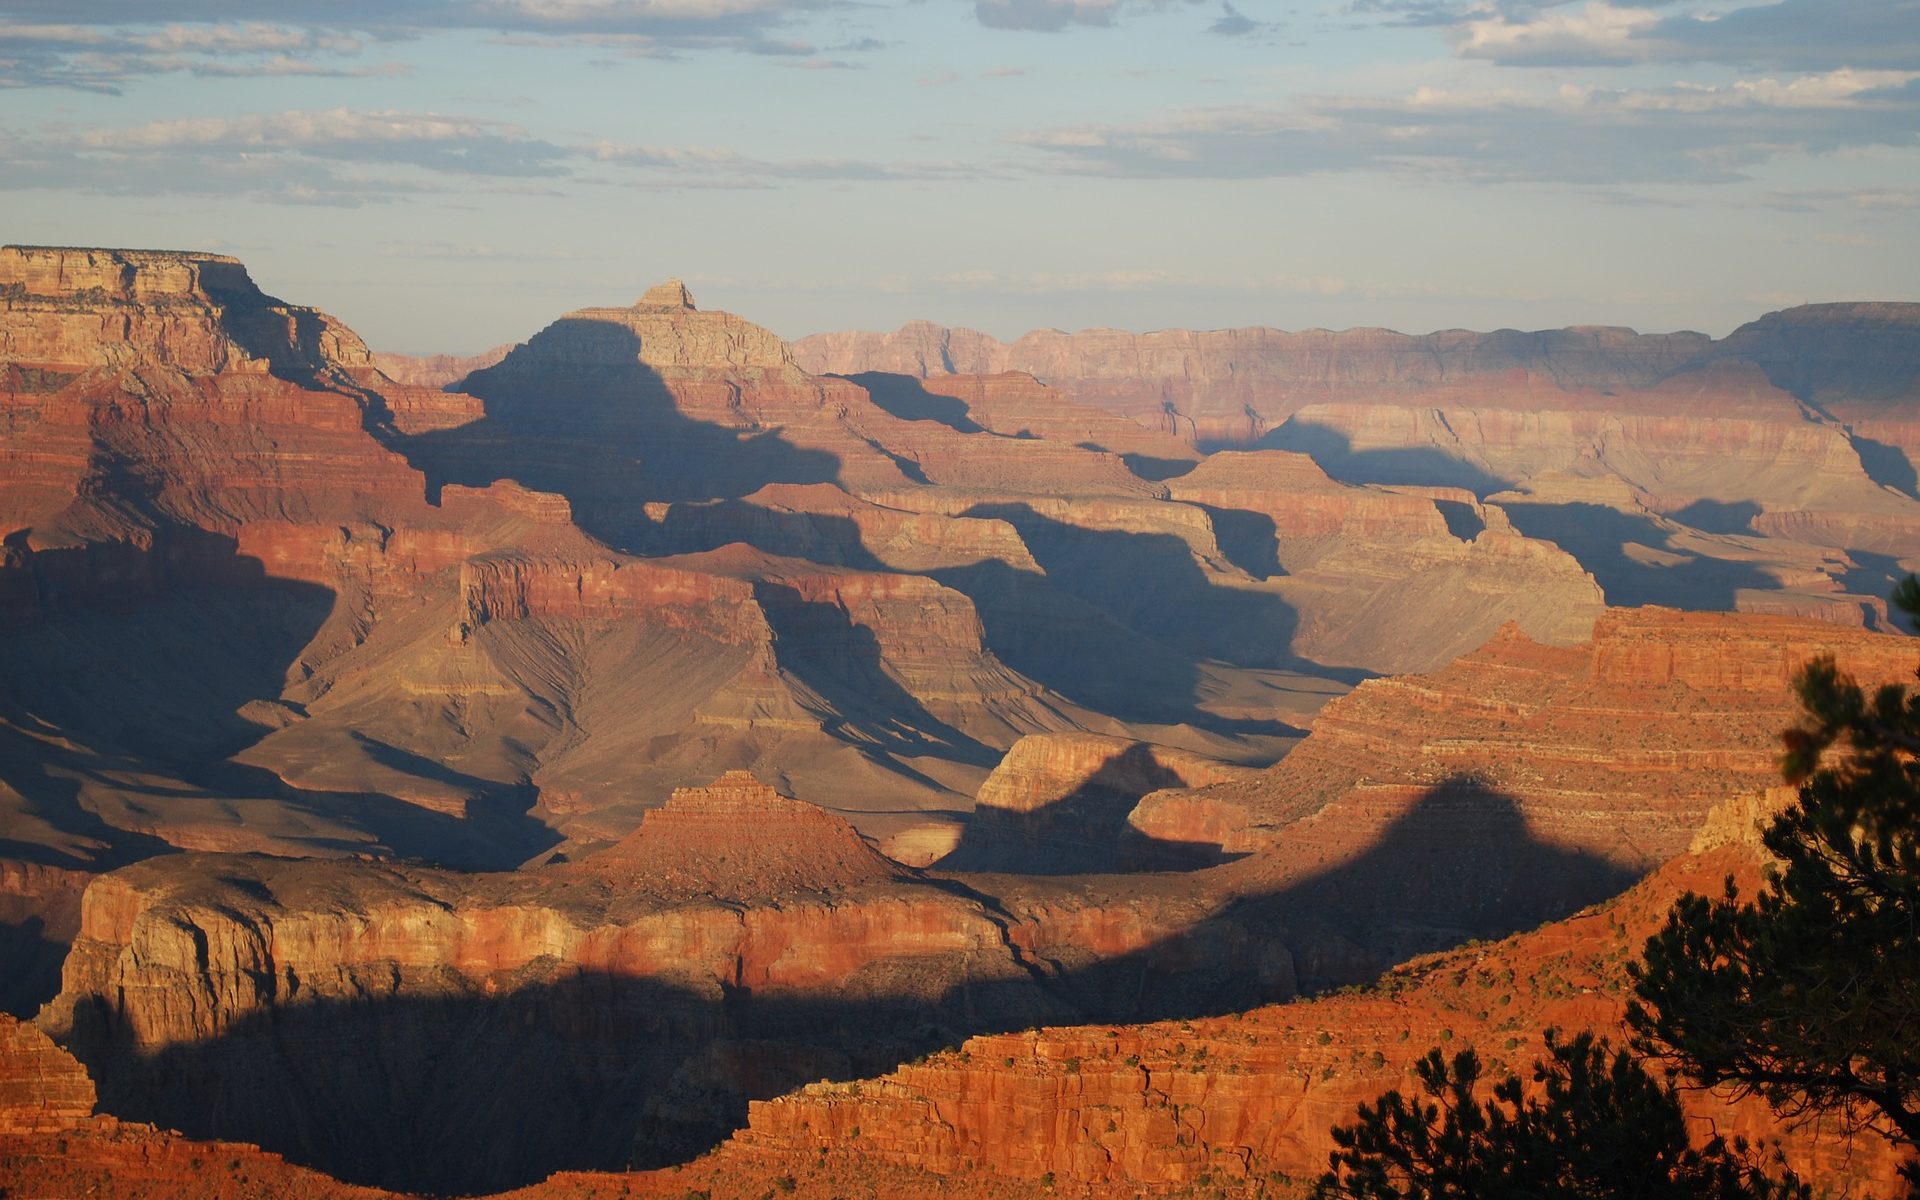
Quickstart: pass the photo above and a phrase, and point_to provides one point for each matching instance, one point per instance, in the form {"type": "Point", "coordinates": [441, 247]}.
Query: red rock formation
{"type": "Point", "coordinates": [1057, 803]}
{"type": "Point", "coordinates": [1253, 1096]}
{"type": "Point", "coordinates": [739, 839]}
{"type": "Point", "coordinates": [42, 1089]}
{"type": "Point", "coordinates": [1618, 747]}
{"type": "Point", "coordinates": [436, 371]}
{"type": "Point", "coordinates": [1235, 384]}
{"type": "Point", "coordinates": [1396, 579]}
{"type": "Point", "coordinates": [1761, 472]}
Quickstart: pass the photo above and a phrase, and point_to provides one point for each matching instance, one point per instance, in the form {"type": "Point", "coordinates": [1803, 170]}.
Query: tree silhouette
{"type": "Point", "coordinates": [1596, 1125]}
{"type": "Point", "coordinates": [1809, 995]}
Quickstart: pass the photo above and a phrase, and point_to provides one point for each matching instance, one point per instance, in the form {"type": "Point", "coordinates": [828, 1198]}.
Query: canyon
{"type": "Point", "coordinates": [1770, 471]}
{"type": "Point", "coordinates": [654, 757]}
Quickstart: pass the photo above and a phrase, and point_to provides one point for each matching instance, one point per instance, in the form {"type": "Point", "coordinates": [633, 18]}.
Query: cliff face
{"type": "Point", "coordinates": [412, 1026]}
{"type": "Point", "coordinates": [1254, 1096]}
{"type": "Point", "coordinates": [1617, 748]}
{"type": "Point", "coordinates": [1058, 804]}
{"type": "Point", "coordinates": [1772, 471]}
{"type": "Point", "coordinates": [1234, 384]}
{"type": "Point", "coordinates": [42, 1089]}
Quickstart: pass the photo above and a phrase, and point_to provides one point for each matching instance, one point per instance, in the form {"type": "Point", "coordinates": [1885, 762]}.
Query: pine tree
{"type": "Point", "coordinates": [1596, 1125]}
{"type": "Point", "coordinates": [1809, 995]}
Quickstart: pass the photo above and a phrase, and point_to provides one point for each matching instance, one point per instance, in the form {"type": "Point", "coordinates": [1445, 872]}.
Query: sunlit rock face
{"type": "Point", "coordinates": [1771, 471]}
{"type": "Point", "coordinates": [654, 724]}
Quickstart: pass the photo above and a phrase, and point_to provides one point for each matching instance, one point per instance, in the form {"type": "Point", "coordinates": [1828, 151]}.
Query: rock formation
{"type": "Point", "coordinates": [1614, 751]}
{"type": "Point", "coordinates": [1771, 471]}
{"type": "Point", "coordinates": [1253, 1096]}
{"type": "Point", "coordinates": [1058, 804]}
{"type": "Point", "coordinates": [738, 839]}
{"type": "Point", "coordinates": [42, 1089]}
{"type": "Point", "coordinates": [432, 688]}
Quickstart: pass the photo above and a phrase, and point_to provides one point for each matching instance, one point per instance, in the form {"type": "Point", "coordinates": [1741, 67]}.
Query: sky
{"type": "Point", "coordinates": [447, 175]}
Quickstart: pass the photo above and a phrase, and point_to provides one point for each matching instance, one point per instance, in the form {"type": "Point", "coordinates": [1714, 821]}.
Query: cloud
{"type": "Point", "coordinates": [709, 166]}
{"type": "Point", "coordinates": [1234, 23]}
{"type": "Point", "coordinates": [1785, 35]}
{"type": "Point", "coordinates": [1045, 16]}
{"type": "Point", "coordinates": [1585, 135]}
{"type": "Point", "coordinates": [337, 156]}
{"type": "Point", "coordinates": [454, 145]}
{"type": "Point", "coordinates": [1797, 35]}
{"type": "Point", "coordinates": [102, 46]}
{"type": "Point", "coordinates": [92, 58]}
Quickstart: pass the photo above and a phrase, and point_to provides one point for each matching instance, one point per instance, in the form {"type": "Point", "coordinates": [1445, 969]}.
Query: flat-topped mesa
{"type": "Point", "coordinates": [739, 839]}
{"type": "Point", "coordinates": [198, 312]}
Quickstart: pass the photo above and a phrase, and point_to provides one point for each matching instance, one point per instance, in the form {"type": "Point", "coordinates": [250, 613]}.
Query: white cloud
{"type": "Point", "coordinates": [1584, 134]}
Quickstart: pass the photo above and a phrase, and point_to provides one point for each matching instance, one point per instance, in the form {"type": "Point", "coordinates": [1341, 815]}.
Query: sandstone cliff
{"type": "Point", "coordinates": [1251, 1098]}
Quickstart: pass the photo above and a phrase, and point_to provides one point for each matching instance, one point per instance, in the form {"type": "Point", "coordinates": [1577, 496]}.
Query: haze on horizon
{"type": "Point", "coordinates": [445, 175]}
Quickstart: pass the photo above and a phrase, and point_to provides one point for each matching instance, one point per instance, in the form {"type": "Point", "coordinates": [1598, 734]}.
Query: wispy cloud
{"type": "Point", "coordinates": [707, 166]}
{"type": "Point", "coordinates": [103, 46]}
{"type": "Point", "coordinates": [336, 156]}
{"type": "Point", "coordinates": [1234, 23]}
{"type": "Point", "coordinates": [1790, 35]}
{"type": "Point", "coordinates": [1587, 135]}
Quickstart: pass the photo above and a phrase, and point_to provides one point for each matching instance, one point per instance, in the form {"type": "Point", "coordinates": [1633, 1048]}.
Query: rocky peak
{"type": "Point", "coordinates": [737, 838]}
{"type": "Point", "coordinates": [671, 294]}
{"type": "Point", "coordinates": [664, 335]}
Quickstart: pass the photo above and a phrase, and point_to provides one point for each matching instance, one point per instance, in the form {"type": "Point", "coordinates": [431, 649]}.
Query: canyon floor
{"type": "Point", "coordinates": [657, 759]}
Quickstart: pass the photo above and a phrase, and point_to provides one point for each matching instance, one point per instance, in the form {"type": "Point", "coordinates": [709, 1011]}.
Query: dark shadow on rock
{"type": "Point", "coordinates": [841, 662]}
{"type": "Point", "coordinates": [1886, 465]}
{"type": "Point", "coordinates": [825, 538]}
{"type": "Point", "coordinates": [1248, 539]}
{"type": "Point", "coordinates": [575, 412]}
{"type": "Point", "coordinates": [1717, 516]}
{"type": "Point", "coordinates": [907, 398]}
{"type": "Point", "coordinates": [460, 1088]}
{"type": "Point", "coordinates": [1876, 575]}
{"type": "Point", "coordinates": [1052, 636]}
{"type": "Point", "coordinates": [30, 959]}
{"type": "Point", "coordinates": [1462, 521]}
{"type": "Point", "coordinates": [1083, 832]}
{"type": "Point", "coordinates": [1599, 537]}
{"type": "Point", "coordinates": [1151, 583]}
{"type": "Point", "coordinates": [1333, 450]}
{"type": "Point", "coordinates": [1149, 467]}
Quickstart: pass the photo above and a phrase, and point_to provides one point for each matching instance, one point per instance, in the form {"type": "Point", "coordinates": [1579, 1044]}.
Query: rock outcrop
{"type": "Point", "coordinates": [42, 1088]}
{"type": "Point", "coordinates": [1058, 804]}
{"type": "Point", "coordinates": [1616, 749]}
{"type": "Point", "coordinates": [1771, 471]}
{"type": "Point", "coordinates": [738, 839]}
{"type": "Point", "coordinates": [1254, 1096]}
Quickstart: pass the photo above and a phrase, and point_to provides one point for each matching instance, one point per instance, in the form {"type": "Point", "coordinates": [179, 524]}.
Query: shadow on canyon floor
{"type": "Point", "coordinates": [1333, 450]}
{"type": "Point", "coordinates": [1887, 465]}
{"type": "Point", "coordinates": [463, 1089]}
{"type": "Point", "coordinates": [1083, 832]}
{"type": "Point", "coordinates": [1100, 624]}
{"type": "Point", "coordinates": [1603, 540]}
{"type": "Point", "coordinates": [908, 398]}
{"type": "Point", "coordinates": [843, 665]}
{"type": "Point", "coordinates": [122, 705]}
{"type": "Point", "coordinates": [575, 412]}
